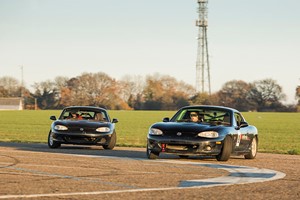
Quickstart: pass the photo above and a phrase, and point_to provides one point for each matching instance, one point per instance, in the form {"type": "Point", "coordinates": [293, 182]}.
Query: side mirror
{"type": "Point", "coordinates": [166, 119]}
{"type": "Point", "coordinates": [114, 120]}
{"type": "Point", "coordinates": [243, 124]}
{"type": "Point", "coordinates": [53, 118]}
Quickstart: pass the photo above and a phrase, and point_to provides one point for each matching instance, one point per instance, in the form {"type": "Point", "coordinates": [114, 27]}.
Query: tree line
{"type": "Point", "coordinates": [153, 92]}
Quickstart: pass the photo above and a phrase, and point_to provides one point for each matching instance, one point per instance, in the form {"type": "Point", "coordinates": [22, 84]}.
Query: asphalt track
{"type": "Point", "coordinates": [33, 171]}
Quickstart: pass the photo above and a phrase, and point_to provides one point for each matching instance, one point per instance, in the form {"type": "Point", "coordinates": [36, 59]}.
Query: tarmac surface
{"type": "Point", "coordinates": [33, 171]}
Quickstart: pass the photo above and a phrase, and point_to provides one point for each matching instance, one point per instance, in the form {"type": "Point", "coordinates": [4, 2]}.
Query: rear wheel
{"type": "Point", "coordinates": [151, 155]}
{"type": "Point", "coordinates": [226, 150]}
{"type": "Point", "coordinates": [253, 151]}
{"type": "Point", "coordinates": [51, 143]}
{"type": "Point", "coordinates": [112, 142]}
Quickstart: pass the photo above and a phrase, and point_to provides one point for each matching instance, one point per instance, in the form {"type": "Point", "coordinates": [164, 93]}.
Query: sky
{"type": "Point", "coordinates": [247, 40]}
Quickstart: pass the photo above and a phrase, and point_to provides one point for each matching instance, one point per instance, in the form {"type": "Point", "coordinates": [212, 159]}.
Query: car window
{"type": "Point", "coordinates": [86, 114]}
{"type": "Point", "coordinates": [100, 116]}
{"type": "Point", "coordinates": [239, 118]}
{"type": "Point", "coordinates": [73, 114]}
{"type": "Point", "coordinates": [205, 115]}
{"type": "Point", "coordinates": [66, 115]}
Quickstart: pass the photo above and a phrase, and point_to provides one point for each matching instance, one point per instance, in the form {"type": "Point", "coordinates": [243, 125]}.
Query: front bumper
{"type": "Point", "coordinates": [185, 147]}
{"type": "Point", "coordinates": [82, 138]}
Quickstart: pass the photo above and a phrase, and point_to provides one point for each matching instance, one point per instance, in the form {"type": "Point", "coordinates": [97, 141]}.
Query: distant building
{"type": "Point", "coordinates": [11, 103]}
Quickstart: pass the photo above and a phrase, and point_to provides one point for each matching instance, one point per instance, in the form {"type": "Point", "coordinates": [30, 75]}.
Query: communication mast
{"type": "Point", "coordinates": [202, 64]}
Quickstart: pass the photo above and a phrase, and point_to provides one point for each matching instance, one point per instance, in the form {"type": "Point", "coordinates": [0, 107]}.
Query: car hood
{"type": "Point", "coordinates": [186, 126]}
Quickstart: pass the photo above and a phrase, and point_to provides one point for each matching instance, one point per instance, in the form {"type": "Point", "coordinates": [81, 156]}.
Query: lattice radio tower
{"type": "Point", "coordinates": [202, 64]}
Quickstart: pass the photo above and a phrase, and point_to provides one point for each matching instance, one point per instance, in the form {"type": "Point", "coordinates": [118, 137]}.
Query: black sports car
{"type": "Point", "coordinates": [85, 125]}
{"type": "Point", "coordinates": [203, 130]}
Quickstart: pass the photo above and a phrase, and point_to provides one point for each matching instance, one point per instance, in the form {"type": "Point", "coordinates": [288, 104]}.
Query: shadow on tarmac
{"type": "Point", "coordinates": [130, 152]}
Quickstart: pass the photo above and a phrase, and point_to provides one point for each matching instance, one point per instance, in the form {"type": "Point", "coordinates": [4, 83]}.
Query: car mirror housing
{"type": "Point", "coordinates": [242, 124]}
{"type": "Point", "coordinates": [166, 119]}
{"type": "Point", "coordinates": [52, 117]}
{"type": "Point", "coordinates": [114, 121]}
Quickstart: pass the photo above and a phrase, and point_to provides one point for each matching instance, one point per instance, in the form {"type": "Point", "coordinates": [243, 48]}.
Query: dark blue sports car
{"type": "Point", "coordinates": [203, 130]}
{"type": "Point", "coordinates": [84, 125]}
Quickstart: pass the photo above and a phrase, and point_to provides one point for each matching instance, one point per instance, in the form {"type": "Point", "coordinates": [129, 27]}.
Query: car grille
{"type": "Point", "coordinates": [180, 135]}
{"type": "Point", "coordinates": [83, 140]}
{"type": "Point", "coordinates": [80, 129]}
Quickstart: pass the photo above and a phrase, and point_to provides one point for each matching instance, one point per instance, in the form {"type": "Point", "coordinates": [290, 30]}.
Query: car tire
{"type": "Point", "coordinates": [51, 143]}
{"type": "Point", "coordinates": [112, 142]}
{"type": "Point", "coordinates": [253, 151]}
{"type": "Point", "coordinates": [151, 154]}
{"type": "Point", "coordinates": [226, 150]}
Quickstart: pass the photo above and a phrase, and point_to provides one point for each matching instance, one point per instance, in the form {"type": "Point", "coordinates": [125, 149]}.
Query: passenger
{"type": "Point", "coordinates": [79, 117]}
{"type": "Point", "coordinates": [75, 116]}
{"type": "Point", "coordinates": [99, 117]}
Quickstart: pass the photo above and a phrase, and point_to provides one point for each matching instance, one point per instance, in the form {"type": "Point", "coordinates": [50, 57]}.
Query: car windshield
{"type": "Point", "coordinates": [204, 115]}
{"type": "Point", "coordinates": [79, 114]}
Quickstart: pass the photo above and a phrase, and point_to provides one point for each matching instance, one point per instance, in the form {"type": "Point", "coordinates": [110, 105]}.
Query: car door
{"type": "Point", "coordinates": [243, 138]}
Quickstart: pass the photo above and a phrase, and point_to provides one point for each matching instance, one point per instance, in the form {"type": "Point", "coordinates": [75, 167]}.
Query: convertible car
{"type": "Point", "coordinates": [84, 125]}
{"type": "Point", "coordinates": [203, 130]}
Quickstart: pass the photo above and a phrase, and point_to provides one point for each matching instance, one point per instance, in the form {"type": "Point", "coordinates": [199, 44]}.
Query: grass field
{"type": "Point", "coordinates": [278, 132]}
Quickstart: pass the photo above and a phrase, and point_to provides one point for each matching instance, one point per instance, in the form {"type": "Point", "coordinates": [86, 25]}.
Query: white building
{"type": "Point", "coordinates": [11, 103]}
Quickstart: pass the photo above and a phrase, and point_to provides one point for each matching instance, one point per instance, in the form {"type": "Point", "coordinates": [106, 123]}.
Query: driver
{"type": "Point", "coordinates": [195, 117]}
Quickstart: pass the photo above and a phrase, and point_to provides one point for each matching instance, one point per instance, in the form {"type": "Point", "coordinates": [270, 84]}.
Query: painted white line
{"type": "Point", "coordinates": [237, 175]}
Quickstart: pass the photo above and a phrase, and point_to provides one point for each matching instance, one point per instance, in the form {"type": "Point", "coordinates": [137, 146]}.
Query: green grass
{"type": "Point", "coordinates": [278, 132]}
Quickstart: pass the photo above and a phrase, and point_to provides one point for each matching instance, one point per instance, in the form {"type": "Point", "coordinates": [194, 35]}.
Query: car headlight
{"type": "Point", "coordinates": [155, 131]}
{"type": "Point", "coordinates": [209, 134]}
{"type": "Point", "coordinates": [103, 129]}
{"type": "Point", "coordinates": [60, 128]}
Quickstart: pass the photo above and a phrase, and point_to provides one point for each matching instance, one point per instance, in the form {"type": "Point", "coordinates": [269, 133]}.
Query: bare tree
{"type": "Point", "coordinates": [131, 86]}
{"type": "Point", "coordinates": [298, 94]}
{"type": "Point", "coordinates": [165, 92]}
{"type": "Point", "coordinates": [97, 89]}
{"type": "Point", "coordinates": [267, 94]}
{"type": "Point", "coordinates": [235, 94]}
{"type": "Point", "coordinates": [204, 99]}
{"type": "Point", "coordinates": [10, 87]}
{"type": "Point", "coordinates": [131, 89]}
{"type": "Point", "coordinates": [46, 94]}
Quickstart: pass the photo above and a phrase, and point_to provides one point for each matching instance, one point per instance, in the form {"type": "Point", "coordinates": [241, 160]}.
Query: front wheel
{"type": "Point", "coordinates": [226, 149]}
{"type": "Point", "coordinates": [51, 142]}
{"type": "Point", "coordinates": [253, 151]}
{"type": "Point", "coordinates": [151, 155]}
{"type": "Point", "coordinates": [112, 142]}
